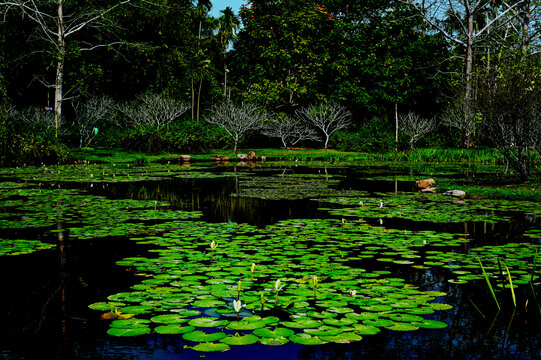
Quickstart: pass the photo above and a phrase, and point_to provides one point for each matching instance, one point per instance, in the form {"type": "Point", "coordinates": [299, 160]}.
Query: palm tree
{"type": "Point", "coordinates": [228, 24]}
{"type": "Point", "coordinates": [200, 12]}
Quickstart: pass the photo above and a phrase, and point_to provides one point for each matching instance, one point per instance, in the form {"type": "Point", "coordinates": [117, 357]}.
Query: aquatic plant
{"type": "Point", "coordinates": [277, 287]}
{"type": "Point", "coordinates": [252, 270]}
{"type": "Point", "coordinates": [237, 306]}
{"type": "Point", "coordinates": [213, 246]}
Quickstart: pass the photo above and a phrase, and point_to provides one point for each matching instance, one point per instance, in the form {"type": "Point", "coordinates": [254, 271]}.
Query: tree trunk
{"type": "Point", "coordinates": [469, 76]}
{"type": "Point", "coordinates": [396, 124]}
{"type": "Point", "coordinates": [193, 101]}
{"type": "Point", "coordinates": [199, 97]}
{"type": "Point", "coordinates": [525, 29]}
{"type": "Point", "coordinates": [61, 48]}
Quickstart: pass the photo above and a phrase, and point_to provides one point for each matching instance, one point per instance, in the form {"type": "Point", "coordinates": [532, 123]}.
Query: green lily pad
{"type": "Point", "coordinates": [366, 329]}
{"type": "Point", "coordinates": [276, 333]}
{"type": "Point", "coordinates": [211, 347]}
{"type": "Point", "coordinates": [173, 329]}
{"type": "Point", "coordinates": [201, 336]}
{"type": "Point", "coordinates": [207, 322]}
{"type": "Point", "coordinates": [402, 327]}
{"type": "Point", "coordinates": [240, 339]}
{"type": "Point", "coordinates": [430, 324]}
{"type": "Point", "coordinates": [302, 324]}
{"type": "Point", "coordinates": [125, 332]}
{"type": "Point", "coordinates": [168, 319]}
{"type": "Point", "coordinates": [346, 337]}
{"type": "Point", "coordinates": [306, 339]}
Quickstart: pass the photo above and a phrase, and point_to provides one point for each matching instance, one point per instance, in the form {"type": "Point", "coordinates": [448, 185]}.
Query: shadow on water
{"type": "Point", "coordinates": [213, 198]}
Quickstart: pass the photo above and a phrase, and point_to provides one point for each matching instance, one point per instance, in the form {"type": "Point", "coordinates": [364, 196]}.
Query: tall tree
{"type": "Point", "coordinates": [58, 22]}
{"type": "Point", "coordinates": [470, 30]}
{"type": "Point", "coordinates": [228, 24]}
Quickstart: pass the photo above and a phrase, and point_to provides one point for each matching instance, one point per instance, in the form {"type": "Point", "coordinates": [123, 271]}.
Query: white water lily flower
{"type": "Point", "coordinates": [238, 305]}
{"type": "Point", "coordinates": [353, 292]}
{"type": "Point", "coordinates": [213, 245]}
{"type": "Point", "coordinates": [277, 286]}
{"type": "Point", "coordinates": [252, 269]}
{"type": "Point", "coordinates": [381, 204]}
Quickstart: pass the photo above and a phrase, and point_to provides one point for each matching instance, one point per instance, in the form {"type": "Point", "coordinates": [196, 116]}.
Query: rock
{"type": "Point", "coordinates": [455, 193]}
{"type": "Point", "coordinates": [252, 156]}
{"type": "Point", "coordinates": [242, 157]}
{"type": "Point", "coordinates": [426, 183]}
{"type": "Point", "coordinates": [220, 158]}
{"type": "Point", "coordinates": [184, 158]}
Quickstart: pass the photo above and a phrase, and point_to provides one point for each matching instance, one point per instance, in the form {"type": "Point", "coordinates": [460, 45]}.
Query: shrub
{"type": "Point", "coordinates": [375, 136]}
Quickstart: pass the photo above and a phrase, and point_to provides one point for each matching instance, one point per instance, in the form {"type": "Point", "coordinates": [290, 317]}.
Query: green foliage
{"type": "Point", "coordinates": [375, 136]}
{"type": "Point", "coordinates": [21, 144]}
{"type": "Point", "coordinates": [191, 136]}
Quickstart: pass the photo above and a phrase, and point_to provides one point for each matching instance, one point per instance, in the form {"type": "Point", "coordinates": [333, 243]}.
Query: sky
{"type": "Point", "coordinates": [218, 5]}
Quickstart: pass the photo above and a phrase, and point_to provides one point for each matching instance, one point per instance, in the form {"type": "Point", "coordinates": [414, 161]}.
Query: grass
{"type": "Point", "coordinates": [488, 182]}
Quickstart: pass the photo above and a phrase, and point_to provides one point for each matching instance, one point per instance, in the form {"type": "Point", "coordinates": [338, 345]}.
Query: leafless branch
{"type": "Point", "coordinates": [290, 130]}
{"type": "Point", "coordinates": [328, 118]}
{"type": "Point", "coordinates": [236, 120]}
{"type": "Point", "coordinates": [416, 127]}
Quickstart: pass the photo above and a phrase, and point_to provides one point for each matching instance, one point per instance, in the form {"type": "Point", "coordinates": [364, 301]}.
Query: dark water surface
{"type": "Point", "coordinates": [45, 295]}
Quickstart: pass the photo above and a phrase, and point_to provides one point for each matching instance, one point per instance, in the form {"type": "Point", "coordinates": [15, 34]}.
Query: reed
{"type": "Point", "coordinates": [485, 274]}
{"type": "Point", "coordinates": [511, 285]}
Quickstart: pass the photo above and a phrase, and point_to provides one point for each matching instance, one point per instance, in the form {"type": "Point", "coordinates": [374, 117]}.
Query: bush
{"type": "Point", "coordinates": [375, 136]}
{"type": "Point", "coordinates": [21, 144]}
{"type": "Point", "coordinates": [145, 138]}
{"type": "Point", "coordinates": [191, 136]}
{"type": "Point", "coordinates": [187, 136]}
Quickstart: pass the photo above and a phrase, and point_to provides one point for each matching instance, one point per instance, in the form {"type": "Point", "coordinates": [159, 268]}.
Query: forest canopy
{"type": "Point", "coordinates": [380, 59]}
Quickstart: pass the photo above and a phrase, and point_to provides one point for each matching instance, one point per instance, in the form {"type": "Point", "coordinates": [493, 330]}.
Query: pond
{"type": "Point", "coordinates": [275, 260]}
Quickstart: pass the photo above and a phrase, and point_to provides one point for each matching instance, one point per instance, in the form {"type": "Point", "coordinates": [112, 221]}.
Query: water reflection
{"type": "Point", "coordinates": [46, 294]}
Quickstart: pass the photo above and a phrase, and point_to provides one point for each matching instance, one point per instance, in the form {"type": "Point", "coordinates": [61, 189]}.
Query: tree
{"type": "Point", "coordinates": [416, 127]}
{"type": "Point", "coordinates": [228, 24]}
{"type": "Point", "coordinates": [454, 117]}
{"type": "Point", "coordinates": [154, 110]}
{"type": "Point", "coordinates": [282, 52]}
{"type": "Point", "coordinates": [328, 118]}
{"type": "Point", "coordinates": [469, 29]}
{"type": "Point", "coordinates": [509, 102]}
{"type": "Point", "coordinates": [89, 115]}
{"type": "Point", "coordinates": [236, 120]}
{"type": "Point", "coordinates": [290, 130]}
{"type": "Point", "coordinates": [56, 24]}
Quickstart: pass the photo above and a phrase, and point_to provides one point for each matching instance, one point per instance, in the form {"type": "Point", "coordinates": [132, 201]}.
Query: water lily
{"type": "Point", "coordinates": [213, 246]}
{"type": "Point", "coordinates": [237, 306]}
{"type": "Point", "coordinates": [277, 287]}
{"type": "Point", "coordinates": [353, 292]}
{"type": "Point", "coordinates": [314, 283]}
{"type": "Point", "coordinates": [381, 204]}
{"type": "Point", "coordinates": [239, 287]}
{"type": "Point", "coordinates": [252, 270]}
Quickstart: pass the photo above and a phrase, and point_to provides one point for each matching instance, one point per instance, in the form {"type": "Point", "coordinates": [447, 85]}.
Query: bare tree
{"type": "Point", "coordinates": [510, 104]}
{"type": "Point", "coordinates": [290, 130]}
{"type": "Point", "coordinates": [38, 116]}
{"type": "Point", "coordinates": [236, 120]}
{"type": "Point", "coordinates": [55, 27]}
{"type": "Point", "coordinates": [89, 115]}
{"type": "Point", "coordinates": [467, 31]}
{"type": "Point", "coordinates": [154, 110]}
{"type": "Point", "coordinates": [416, 127]}
{"type": "Point", "coordinates": [328, 118]}
{"type": "Point", "coordinates": [455, 116]}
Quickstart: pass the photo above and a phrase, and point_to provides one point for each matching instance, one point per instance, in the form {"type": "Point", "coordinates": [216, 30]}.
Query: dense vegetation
{"type": "Point", "coordinates": [368, 76]}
